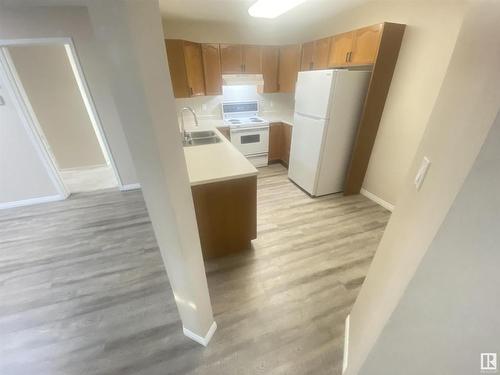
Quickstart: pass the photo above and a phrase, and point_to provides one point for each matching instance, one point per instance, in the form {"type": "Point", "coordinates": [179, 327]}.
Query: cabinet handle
{"type": "Point", "coordinates": [191, 92]}
{"type": "Point", "coordinates": [350, 56]}
{"type": "Point", "coordinates": [346, 57]}
{"type": "Point", "coordinates": [311, 65]}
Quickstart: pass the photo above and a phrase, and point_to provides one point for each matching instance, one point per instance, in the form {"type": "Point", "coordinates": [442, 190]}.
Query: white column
{"type": "Point", "coordinates": [130, 37]}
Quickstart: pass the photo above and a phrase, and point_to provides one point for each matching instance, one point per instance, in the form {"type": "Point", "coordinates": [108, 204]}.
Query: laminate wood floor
{"type": "Point", "coordinates": [83, 289]}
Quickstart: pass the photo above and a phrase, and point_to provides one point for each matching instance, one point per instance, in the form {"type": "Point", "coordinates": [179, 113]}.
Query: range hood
{"type": "Point", "coordinates": [243, 80]}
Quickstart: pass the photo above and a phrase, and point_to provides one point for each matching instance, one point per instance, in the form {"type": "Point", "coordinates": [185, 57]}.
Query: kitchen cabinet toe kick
{"type": "Point", "coordinates": [226, 213]}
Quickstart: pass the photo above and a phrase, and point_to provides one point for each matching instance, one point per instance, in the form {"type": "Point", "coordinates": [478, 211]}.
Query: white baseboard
{"type": "Point", "coordinates": [201, 340]}
{"type": "Point", "coordinates": [378, 200]}
{"type": "Point", "coordinates": [130, 187]}
{"type": "Point", "coordinates": [31, 201]}
{"type": "Point", "coordinates": [345, 359]}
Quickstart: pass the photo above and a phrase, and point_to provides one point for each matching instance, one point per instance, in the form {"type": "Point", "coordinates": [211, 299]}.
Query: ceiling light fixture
{"type": "Point", "coordinates": [272, 8]}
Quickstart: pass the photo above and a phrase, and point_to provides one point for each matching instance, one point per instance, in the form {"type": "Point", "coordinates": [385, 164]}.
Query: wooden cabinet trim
{"type": "Point", "coordinates": [383, 70]}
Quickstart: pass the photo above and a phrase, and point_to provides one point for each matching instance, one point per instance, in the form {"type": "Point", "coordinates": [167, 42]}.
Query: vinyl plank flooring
{"type": "Point", "coordinates": [83, 289]}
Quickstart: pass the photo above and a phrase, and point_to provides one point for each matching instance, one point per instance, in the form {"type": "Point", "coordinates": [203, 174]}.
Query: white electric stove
{"type": "Point", "coordinates": [249, 133]}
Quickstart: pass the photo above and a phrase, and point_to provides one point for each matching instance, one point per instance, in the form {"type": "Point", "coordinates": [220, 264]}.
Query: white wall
{"type": "Point", "coordinates": [465, 110]}
{"type": "Point", "coordinates": [23, 175]}
{"type": "Point", "coordinates": [73, 21]}
{"type": "Point", "coordinates": [449, 314]}
{"type": "Point", "coordinates": [48, 80]}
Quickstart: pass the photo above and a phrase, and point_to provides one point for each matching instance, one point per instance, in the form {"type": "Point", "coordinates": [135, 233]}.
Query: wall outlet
{"type": "Point", "coordinates": [422, 172]}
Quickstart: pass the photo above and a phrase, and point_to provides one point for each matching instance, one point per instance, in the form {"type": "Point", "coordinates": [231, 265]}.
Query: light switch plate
{"type": "Point", "coordinates": [422, 172]}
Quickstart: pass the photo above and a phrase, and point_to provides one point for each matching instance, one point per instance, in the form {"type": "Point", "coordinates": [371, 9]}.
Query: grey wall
{"type": "Point", "coordinates": [49, 82]}
{"type": "Point", "coordinates": [449, 313]}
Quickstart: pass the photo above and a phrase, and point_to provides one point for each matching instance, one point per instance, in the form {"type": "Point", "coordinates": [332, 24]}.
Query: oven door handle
{"type": "Point", "coordinates": [247, 130]}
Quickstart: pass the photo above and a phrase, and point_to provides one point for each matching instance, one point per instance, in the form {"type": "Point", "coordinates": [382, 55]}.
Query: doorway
{"type": "Point", "coordinates": [50, 88]}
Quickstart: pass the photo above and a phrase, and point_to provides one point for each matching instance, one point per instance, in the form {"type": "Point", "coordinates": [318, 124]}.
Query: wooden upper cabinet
{"type": "Point", "coordinates": [252, 59]}
{"type": "Point", "coordinates": [315, 54]}
{"type": "Point", "coordinates": [212, 69]}
{"type": "Point", "coordinates": [237, 58]}
{"type": "Point", "coordinates": [321, 52]}
{"type": "Point", "coordinates": [186, 68]}
{"type": "Point", "coordinates": [340, 49]}
{"type": "Point", "coordinates": [270, 61]}
{"type": "Point", "coordinates": [365, 46]}
{"type": "Point", "coordinates": [231, 58]}
{"type": "Point", "coordinates": [194, 68]}
{"type": "Point", "coordinates": [177, 67]}
{"type": "Point", "coordinates": [306, 61]}
{"type": "Point", "coordinates": [289, 64]}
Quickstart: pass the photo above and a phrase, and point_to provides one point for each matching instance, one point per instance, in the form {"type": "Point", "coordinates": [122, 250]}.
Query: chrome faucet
{"type": "Point", "coordinates": [183, 126]}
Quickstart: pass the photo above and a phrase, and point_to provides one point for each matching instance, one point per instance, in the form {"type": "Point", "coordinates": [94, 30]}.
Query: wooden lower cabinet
{"type": "Point", "coordinates": [275, 135]}
{"type": "Point", "coordinates": [286, 143]}
{"type": "Point", "coordinates": [280, 139]}
{"type": "Point", "coordinates": [226, 132]}
{"type": "Point", "coordinates": [226, 213]}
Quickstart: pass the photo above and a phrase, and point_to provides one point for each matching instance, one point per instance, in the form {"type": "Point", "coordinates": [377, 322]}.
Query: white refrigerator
{"type": "Point", "coordinates": [328, 105]}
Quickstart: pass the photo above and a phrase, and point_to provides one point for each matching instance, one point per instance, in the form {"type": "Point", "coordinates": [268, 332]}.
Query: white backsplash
{"type": "Point", "coordinates": [210, 106]}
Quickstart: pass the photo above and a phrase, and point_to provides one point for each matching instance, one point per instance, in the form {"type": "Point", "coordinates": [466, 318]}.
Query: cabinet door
{"type": "Point", "coordinates": [177, 67]}
{"type": "Point", "coordinates": [211, 69]}
{"type": "Point", "coordinates": [365, 46]}
{"type": "Point", "coordinates": [289, 64]}
{"type": "Point", "coordinates": [194, 68]}
{"type": "Point", "coordinates": [231, 56]}
{"type": "Point", "coordinates": [321, 51]}
{"type": "Point", "coordinates": [225, 132]}
{"type": "Point", "coordinates": [286, 143]}
{"type": "Point", "coordinates": [340, 49]}
{"type": "Point", "coordinates": [252, 59]}
{"type": "Point", "coordinates": [306, 61]}
{"type": "Point", "coordinates": [270, 58]}
{"type": "Point", "coordinates": [275, 141]}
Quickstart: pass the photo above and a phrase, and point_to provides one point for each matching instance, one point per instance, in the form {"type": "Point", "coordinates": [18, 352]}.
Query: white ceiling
{"type": "Point", "coordinates": [236, 11]}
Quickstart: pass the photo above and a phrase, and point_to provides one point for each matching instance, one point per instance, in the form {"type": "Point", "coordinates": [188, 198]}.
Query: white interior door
{"type": "Point", "coordinates": [312, 93]}
{"type": "Point", "coordinates": [307, 143]}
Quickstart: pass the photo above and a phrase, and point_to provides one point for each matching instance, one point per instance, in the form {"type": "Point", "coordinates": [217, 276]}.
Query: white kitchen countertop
{"type": "Point", "coordinates": [286, 117]}
{"type": "Point", "coordinates": [216, 162]}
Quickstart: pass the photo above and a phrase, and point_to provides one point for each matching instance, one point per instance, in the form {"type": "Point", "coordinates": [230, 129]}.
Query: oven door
{"type": "Point", "coordinates": [251, 141]}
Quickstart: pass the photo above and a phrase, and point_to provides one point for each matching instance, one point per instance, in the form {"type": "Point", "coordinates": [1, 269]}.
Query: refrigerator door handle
{"type": "Point", "coordinates": [310, 116]}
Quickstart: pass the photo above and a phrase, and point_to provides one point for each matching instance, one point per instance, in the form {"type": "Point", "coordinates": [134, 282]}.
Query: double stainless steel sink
{"type": "Point", "coordinates": [202, 137]}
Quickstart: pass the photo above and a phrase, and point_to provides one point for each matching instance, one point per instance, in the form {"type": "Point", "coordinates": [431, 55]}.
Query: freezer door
{"type": "Point", "coordinates": [312, 93]}
{"type": "Point", "coordinates": [307, 144]}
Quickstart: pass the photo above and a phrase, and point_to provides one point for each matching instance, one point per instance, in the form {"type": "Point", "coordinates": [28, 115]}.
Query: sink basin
{"type": "Point", "coordinates": [201, 134]}
{"type": "Point", "coordinates": [202, 141]}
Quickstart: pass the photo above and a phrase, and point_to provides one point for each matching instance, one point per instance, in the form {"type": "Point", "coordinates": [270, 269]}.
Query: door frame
{"type": "Point", "coordinates": [29, 116]}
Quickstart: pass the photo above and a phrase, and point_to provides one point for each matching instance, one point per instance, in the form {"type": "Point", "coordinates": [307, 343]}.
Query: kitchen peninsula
{"type": "Point", "coordinates": [224, 187]}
